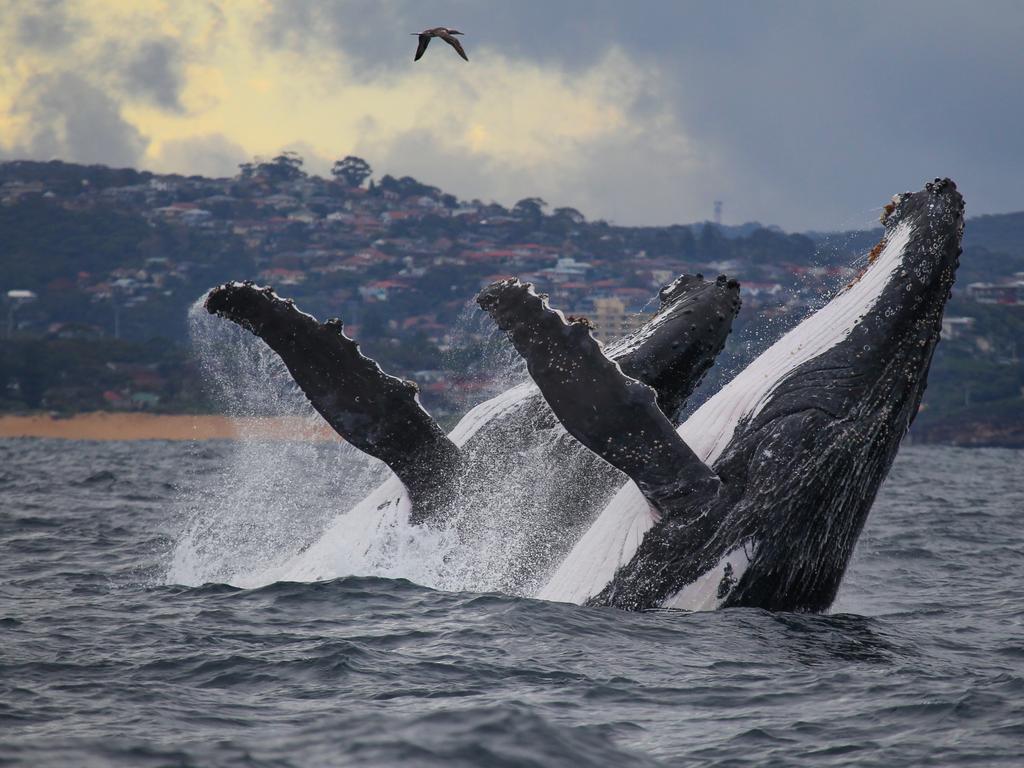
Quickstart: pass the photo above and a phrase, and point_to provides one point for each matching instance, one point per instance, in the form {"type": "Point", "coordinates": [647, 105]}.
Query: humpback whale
{"type": "Point", "coordinates": [759, 497]}
{"type": "Point", "coordinates": [435, 474]}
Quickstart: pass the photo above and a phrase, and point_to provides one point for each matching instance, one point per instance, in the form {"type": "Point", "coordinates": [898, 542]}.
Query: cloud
{"type": "Point", "coordinates": [153, 71]}
{"type": "Point", "coordinates": [208, 155]}
{"type": "Point", "coordinates": [67, 117]}
{"type": "Point", "coordinates": [47, 25]}
{"type": "Point", "coordinates": [512, 129]}
{"type": "Point", "coordinates": [608, 176]}
{"type": "Point", "coordinates": [814, 112]}
{"type": "Point", "coordinates": [796, 113]}
{"type": "Point", "coordinates": [598, 139]}
{"type": "Point", "coordinates": [375, 34]}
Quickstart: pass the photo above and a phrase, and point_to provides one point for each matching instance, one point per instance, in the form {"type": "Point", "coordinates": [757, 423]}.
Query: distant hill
{"type": "Point", "coordinates": [993, 245]}
{"type": "Point", "coordinates": [70, 178]}
{"type": "Point", "coordinates": [734, 231]}
{"type": "Point", "coordinates": [115, 258]}
{"type": "Point", "coordinates": [997, 232]}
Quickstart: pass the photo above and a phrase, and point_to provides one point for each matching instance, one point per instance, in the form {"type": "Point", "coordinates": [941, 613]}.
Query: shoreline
{"type": "Point", "coordinates": [109, 426]}
{"type": "Point", "coordinates": [101, 425]}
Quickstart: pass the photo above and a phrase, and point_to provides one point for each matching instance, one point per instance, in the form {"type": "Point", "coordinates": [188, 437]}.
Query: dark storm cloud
{"type": "Point", "coordinates": [358, 28]}
{"type": "Point", "coordinates": [45, 24]}
{"type": "Point", "coordinates": [817, 111]}
{"type": "Point", "coordinates": [376, 32]}
{"type": "Point", "coordinates": [153, 70]}
{"type": "Point", "coordinates": [71, 118]}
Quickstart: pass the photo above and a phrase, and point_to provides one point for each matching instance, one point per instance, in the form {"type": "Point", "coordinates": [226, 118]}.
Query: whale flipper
{"type": "Point", "coordinates": [673, 351]}
{"type": "Point", "coordinates": [614, 415]}
{"type": "Point", "coordinates": [377, 413]}
{"type": "Point", "coordinates": [803, 437]}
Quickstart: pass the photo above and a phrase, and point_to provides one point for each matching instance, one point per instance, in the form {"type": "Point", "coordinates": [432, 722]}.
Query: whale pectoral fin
{"type": "Point", "coordinates": [675, 348]}
{"type": "Point", "coordinates": [377, 413]}
{"type": "Point", "coordinates": [613, 415]}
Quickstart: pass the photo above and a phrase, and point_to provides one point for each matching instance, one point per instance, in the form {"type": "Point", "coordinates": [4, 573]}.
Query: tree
{"type": "Point", "coordinates": [351, 171]}
{"type": "Point", "coordinates": [712, 243]}
{"type": "Point", "coordinates": [406, 186]}
{"type": "Point", "coordinates": [570, 214]}
{"type": "Point", "coordinates": [530, 208]}
{"type": "Point", "coordinates": [285, 167]}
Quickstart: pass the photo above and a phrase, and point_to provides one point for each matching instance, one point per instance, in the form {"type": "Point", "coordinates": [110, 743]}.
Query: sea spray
{"type": "Point", "coordinates": [525, 498]}
{"type": "Point", "coordinates": [302, 510]}
{"type": "Point", "coordinates": [272, 498]}
{"type": "Point", "coordinates": [503, 529]}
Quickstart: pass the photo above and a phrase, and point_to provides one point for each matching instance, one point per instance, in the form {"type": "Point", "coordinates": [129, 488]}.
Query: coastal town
{"type": "Point", "coordinates": [97, 257]}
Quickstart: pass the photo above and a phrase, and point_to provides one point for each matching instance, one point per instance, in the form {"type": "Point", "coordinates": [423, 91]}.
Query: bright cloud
{"type": "Point", "coordinates": [639, 116]}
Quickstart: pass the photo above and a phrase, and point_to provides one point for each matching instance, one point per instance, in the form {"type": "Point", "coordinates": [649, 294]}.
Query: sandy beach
{"type": "Point", "coordinates": [149, 426]}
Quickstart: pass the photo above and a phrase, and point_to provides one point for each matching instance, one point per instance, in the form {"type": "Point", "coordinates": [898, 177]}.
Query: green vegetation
{"type": "Point", "coordinates": [117, 256]}
{"type": "Point", "coordinates": [976, 386]}
{"type": "Point", "coordinates": [68, 375]}
{"type": "Point", "coordinates": [43, 242]}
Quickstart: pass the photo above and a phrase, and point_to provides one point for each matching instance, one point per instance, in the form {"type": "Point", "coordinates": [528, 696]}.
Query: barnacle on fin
{"type": "Point", "coordinates": [877, 250]}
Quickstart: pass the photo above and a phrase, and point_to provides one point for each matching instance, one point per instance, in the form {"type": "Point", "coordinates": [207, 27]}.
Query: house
{"type": "Point", "coordinates": [195, 217]}
{"type": "Point", "coordinates": [566, 269]}
{"type": "Point", "coordinates": [12, 191]}
{"type": "Point", "coordinates": [760, 290]}
{"type": "Point", "coordinates": [303, 215]}
{"type": "Point", "coordinates": [282, 276]}
{"type": "Point", "coordinates": [397, 215]}
{"type": "Point", "coordinates": [612, 319]}
{"type": "Point", "coordinates": [1010, 292]}
{"type": "Point", "coordinates": [956, 327]}
{"type": "Point", "coordinates": [145, 401]}
{"type": "Point", "coordinates": [381, 290]}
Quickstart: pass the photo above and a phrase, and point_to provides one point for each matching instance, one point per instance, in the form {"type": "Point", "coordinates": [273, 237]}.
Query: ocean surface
{"type": "Point", "coordinates": [105, 660]}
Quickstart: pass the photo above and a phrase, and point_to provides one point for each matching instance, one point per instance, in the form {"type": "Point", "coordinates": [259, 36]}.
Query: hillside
{"type": "Point", "coordinates": [114, 258]}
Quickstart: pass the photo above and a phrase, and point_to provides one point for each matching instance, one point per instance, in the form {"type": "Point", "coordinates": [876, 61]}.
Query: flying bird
{"type": "Point", "coordinates": [445, 34]}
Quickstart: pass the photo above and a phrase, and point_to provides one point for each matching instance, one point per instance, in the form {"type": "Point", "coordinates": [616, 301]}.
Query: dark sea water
{"type": "Point", "coordinates": [102, 662]}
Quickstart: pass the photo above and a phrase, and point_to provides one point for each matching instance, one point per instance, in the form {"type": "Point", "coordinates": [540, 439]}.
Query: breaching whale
{"type": "Point", "coordinates": [759, 497]}
{"type": "Point", "coordinates": [434, 472]}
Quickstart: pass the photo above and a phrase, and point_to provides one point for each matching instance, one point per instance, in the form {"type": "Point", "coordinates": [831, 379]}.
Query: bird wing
{"type": "Point", "coordinates": [454, 43]}
{"type": "Point", "coordinates": [424, 42]}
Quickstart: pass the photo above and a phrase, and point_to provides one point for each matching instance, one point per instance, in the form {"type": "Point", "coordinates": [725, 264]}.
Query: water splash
{"type": "Point", "coordinates": [273, 497]}
{"type": "Point", "coordinates": [302, 510]}
{"type": "Point", "coordinates": [480, 356]}
{"type": "Point", "coordinates": [530, 489]}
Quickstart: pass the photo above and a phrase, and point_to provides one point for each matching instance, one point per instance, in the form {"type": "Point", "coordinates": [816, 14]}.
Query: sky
{"type": "Point", "coordinates": [806, 115]}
